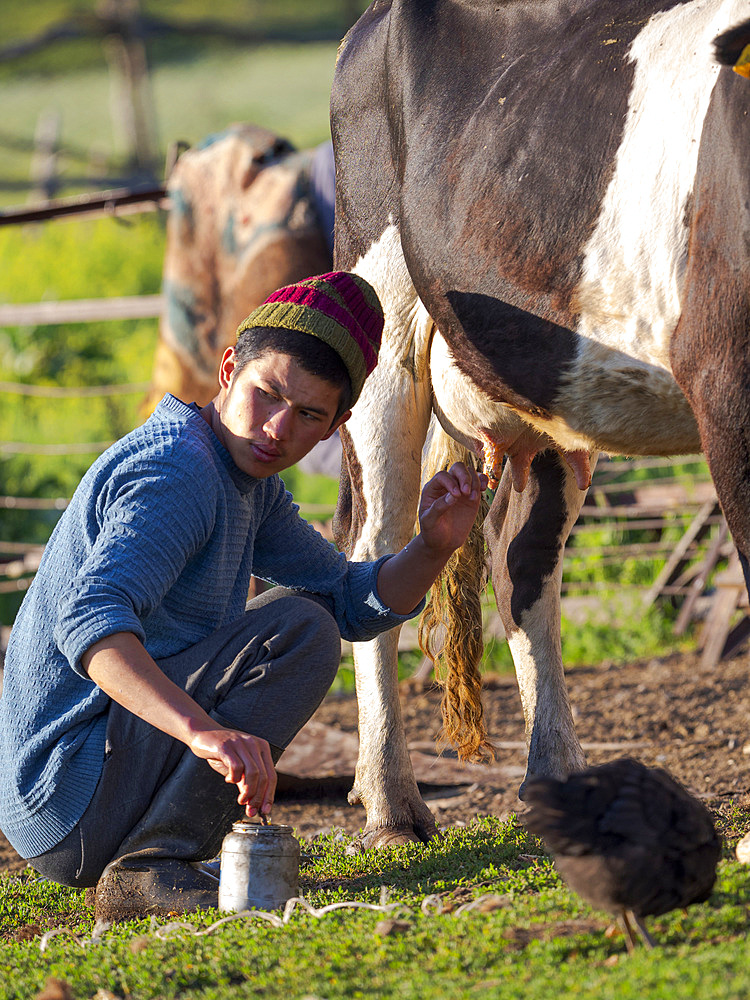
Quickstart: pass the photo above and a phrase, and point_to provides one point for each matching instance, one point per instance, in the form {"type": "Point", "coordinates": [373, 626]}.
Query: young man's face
{"type": "Point", "coordinates": [272, 413]}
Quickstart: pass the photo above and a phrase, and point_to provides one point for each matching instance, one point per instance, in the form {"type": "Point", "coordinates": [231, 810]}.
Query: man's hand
{"type": "Point", "coordinates": [123, 669]}
{"type": "Point", "coordinates": [448, 507]}
{"type": "Point", "coordinates": [447, 510]}
{"type": "Point", "coordinates": [245, 761]}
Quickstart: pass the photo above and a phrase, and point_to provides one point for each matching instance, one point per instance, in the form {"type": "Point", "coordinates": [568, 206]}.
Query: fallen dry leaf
{"type": "Point", "coordinates": [385, 928]}
{"type": "Point", "coordinates": [55, 989]}
{"type": "Point", "coordinates": [27, 932]}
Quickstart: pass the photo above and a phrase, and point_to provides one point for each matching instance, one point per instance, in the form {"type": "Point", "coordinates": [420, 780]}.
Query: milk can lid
{"type": "Point", "coordinates": [261, 829]}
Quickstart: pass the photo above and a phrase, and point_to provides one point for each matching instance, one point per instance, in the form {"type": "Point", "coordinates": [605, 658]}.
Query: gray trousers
{"type": "Point", "coordinates": [264, 674]}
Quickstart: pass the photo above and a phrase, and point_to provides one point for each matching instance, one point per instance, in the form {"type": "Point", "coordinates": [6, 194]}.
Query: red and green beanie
{"type": "Point", "coordinates": [339, 308]}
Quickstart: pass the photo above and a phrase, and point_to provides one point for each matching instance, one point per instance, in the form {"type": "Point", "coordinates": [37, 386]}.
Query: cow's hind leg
{"type": "Point", "coordinates": [384, 780]}
{"type": "Point", "coordinates": [710, 349]}
{"type": "Point", "coordinates": [526, 533]}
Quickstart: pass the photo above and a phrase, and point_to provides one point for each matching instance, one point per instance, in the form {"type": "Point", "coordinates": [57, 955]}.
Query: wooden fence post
{"type": "Point", "coordinates": [44, 178]}
{"type": "Point", "coordinates": [730, 590]}
{"type": "Point", "coordinates": [133, 106]}
{"type": "Point", "coordinates": [679, 552]}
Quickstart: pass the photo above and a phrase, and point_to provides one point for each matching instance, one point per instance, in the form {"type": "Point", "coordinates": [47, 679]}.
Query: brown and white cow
{"type": "Point", "coordinates": [247, 215]}
{"type": "Point", "coordinates": [552, 199]}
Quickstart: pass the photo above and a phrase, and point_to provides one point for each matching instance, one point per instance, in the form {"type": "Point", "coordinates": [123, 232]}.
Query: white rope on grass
{"type": "Point", "coordinates": [167, 930]}
{"type": "Point", "coordinates": [485, 904]}
{"type": "Point", "coordinates": [430, 905]}
{"type": "Point", "coordinates": [48, 935]}
{"type": "Point", "coordinates": [100, 928]}
{"type": "Point", "coordinates": [433, 904]}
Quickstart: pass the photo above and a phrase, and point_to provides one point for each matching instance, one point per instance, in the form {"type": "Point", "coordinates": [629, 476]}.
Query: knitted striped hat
{"type": "Point", "coordinates": [339, 308]}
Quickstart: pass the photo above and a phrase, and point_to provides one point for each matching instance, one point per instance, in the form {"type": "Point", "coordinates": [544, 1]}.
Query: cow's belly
{"type": "Point", "coordinates": [608, 402]}
{"type": "Point", "coordinates": [625, 406]}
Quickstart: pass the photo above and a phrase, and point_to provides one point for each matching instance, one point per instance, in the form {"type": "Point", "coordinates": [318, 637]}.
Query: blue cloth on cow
{"type": "Point", "coordinates": [160, 539]}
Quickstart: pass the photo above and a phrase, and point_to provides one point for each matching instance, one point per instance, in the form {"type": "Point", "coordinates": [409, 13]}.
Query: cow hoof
{"type": "Point", "coordinates": [389, 836]}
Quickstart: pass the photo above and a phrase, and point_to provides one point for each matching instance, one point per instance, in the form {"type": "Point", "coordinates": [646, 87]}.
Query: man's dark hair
{"type": "Point", "coordinates": [311, 354]}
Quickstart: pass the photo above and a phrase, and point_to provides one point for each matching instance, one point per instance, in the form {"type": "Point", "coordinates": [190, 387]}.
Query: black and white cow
{"type": "Point", "coordinates": [552, 199]}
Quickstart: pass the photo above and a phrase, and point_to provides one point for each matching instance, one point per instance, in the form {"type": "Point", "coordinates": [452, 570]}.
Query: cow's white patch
{"type": "Point", "coordinates": [389, 423]}
{"type": "Point", "coordinates": [463, 408]}
{"type": "Point", "coordinates": [621, 391]}
{"type": "Point", "coordinates": [634, 265]}
{"type": "Point", "coordinates": [553, 746]}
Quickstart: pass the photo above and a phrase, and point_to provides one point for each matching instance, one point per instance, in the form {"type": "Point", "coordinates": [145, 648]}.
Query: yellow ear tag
{"type": "Point", "coordinates": [742, 66]}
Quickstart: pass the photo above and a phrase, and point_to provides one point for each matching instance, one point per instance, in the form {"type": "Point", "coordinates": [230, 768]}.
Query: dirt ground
{"type": "Point", "coordinates": [669, 713]}
{"type": "Point", "coordinates": [666, 712]}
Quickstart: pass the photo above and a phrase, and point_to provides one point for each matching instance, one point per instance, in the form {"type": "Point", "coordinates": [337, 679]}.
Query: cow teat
{"type": "Point", "coordinates": [579, 463]}
{"type": "Point", "coordinates": [521, 452]}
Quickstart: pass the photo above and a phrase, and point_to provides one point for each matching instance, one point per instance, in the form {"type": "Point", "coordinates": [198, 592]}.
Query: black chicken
{"type": "Point", "coordinates": [628, 838]}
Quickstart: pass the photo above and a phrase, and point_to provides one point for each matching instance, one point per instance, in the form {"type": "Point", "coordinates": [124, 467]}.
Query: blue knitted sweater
{"type": "Point", "coordinates": [160, 539]}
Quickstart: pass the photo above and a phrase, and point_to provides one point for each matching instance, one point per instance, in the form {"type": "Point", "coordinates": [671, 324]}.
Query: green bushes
{"type": "Point", "coordinates": [68, 260]}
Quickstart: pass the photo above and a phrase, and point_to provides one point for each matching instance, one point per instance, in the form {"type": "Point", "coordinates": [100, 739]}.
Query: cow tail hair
{"type": "Point", "coordinates": [450, 628]}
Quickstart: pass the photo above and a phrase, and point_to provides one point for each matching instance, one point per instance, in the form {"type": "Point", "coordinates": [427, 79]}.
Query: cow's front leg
{"type": "Point", "coordinates": [376, 513]}
{"type": "Point", "coordinates": [378, 502]}
{"type": "Point", "coordinates": [527, 533]}
{"type": "Point", "coordinates": [384, 781]}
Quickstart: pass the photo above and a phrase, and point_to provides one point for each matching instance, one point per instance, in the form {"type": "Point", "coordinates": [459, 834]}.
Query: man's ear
{"type": "Point", "coordinates": [226, 367]}
{"type": "Point", "coordinates": [336, 424]}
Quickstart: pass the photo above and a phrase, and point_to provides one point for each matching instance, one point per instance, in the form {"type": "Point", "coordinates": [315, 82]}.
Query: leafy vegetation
{"type": "Point", "coordinates": [523, 934]}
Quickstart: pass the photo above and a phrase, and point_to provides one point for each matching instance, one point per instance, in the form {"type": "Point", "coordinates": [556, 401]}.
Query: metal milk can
{"type": "Point", "coordinates": [259, 867]}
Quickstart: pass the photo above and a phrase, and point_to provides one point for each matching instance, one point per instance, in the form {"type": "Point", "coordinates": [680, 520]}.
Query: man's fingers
{"type": "Point", "coordinates": [458, 482]}
{"type": "Point", "coordinates": [469, 479]}
{"type": "Point", "coordinates": [464, 477]}
{"type": "Point", "coordinates": [245, 761]}
{"type": "Point", "coordinates": [259, 785]}
{"type": "Point", "coordinates": [442, 483]}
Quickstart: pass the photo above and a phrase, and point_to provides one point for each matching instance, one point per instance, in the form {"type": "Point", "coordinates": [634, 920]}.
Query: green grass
{"type": "Point", "coordinates": [534, 940]}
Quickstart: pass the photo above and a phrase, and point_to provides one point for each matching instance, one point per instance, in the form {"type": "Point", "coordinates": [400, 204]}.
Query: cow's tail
{"type": "Point", "coordinates": [450, 629]}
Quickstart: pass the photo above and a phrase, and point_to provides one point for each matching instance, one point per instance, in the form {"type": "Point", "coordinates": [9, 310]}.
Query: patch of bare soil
{"type": "Point", "coordinates": [666, 712]}
{"type": "Point", "coordinates": [670, 713]}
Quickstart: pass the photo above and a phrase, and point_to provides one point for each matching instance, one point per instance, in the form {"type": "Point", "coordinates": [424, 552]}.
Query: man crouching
{"type": "Point", "coordinates": [144, 703]}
